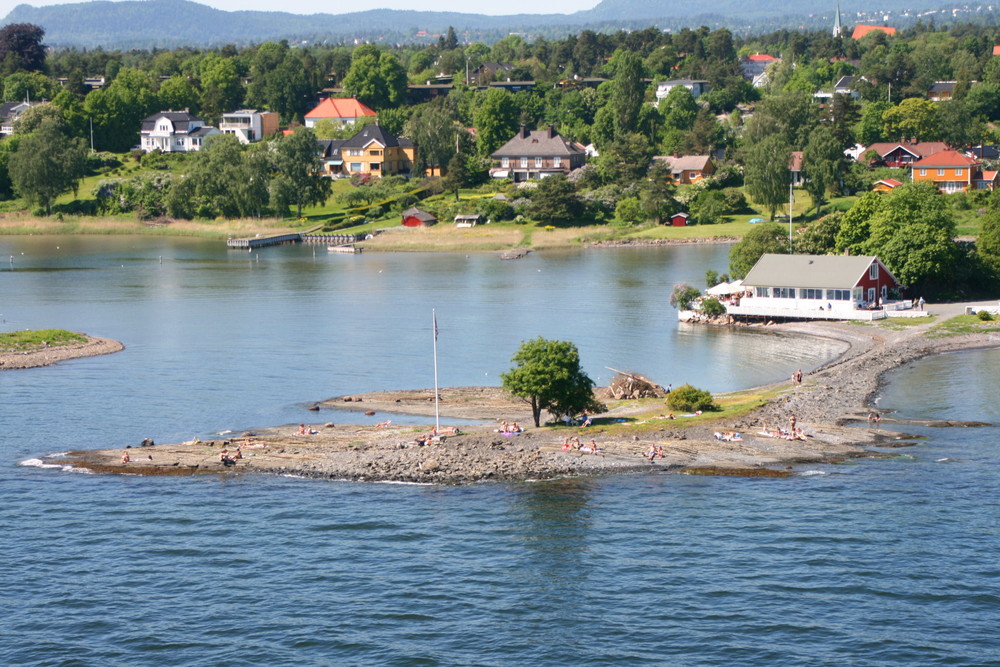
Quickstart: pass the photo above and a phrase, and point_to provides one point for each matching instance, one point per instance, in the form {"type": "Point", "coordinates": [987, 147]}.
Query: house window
{"type": "Point", "coordinates": [524, 163]}
{"type": "Point", "coordinates": [810, 293]}
{"type": "Point", "coordinates": [557, 162]}
{"type": "Point", "coordinates": [940, 172]}
{"type": "Point", "coordinates": [958, 172]}
{"type": "Point", "coordinates": [355, 152]}
{"type": "Point", "coordinates": [762, 291]}
{"type": "Point", "coordinates": [873, 271]}
{"type": "Point", "coordinates": [376, 152]}
{"type": "Point", "coordinates": [375, 166]}
{"type": "Point", "coordinates": [923, 172]}
{"type": "Point", "coordinates": [784, 292]}
{"type": "Point", "coordinates": [505, 162]}
{"type": "Point", "coordinates": [355, 166]}
{"type": "Point", "coordinates": [538, 163]}
{"type": "Point", "coordinates": [838, 294]}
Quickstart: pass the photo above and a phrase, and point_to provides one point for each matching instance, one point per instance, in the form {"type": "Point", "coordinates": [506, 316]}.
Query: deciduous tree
{"type": "Point", "coordinates": [766, 172]}
{"type": "Point", "coordinates": [298, 181]}
{"type": "Point", "coordinates": [765, 238]}
{"type": "Point", "coordinates": [548, 376]}
{"type": "Point", "coordinates": [47, 163]}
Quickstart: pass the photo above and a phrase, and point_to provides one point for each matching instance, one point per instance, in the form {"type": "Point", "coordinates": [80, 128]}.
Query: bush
{"type": "Point", "coordinates": [689, 399]}
{"type": "Point", "coordinates": [496, 209]}
{"type": "Point", "coordinates": [984, 316]}
{"type": "Point", "coordinates": [712, 307]}
{"type": "Point", "coordinates": [683, 295]}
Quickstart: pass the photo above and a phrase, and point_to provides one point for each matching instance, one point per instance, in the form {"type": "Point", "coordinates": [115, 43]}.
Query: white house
{"type": "Point", "coordinates": [696, 86]}
{"type": "Point", "coordinates": [174, 132]}
{"type": "Point", "coordinates": [838, 287]}
{"type": "Point", "coordinates": [10, 112]}
{"type": "Point", "coordinates": [249, 125]}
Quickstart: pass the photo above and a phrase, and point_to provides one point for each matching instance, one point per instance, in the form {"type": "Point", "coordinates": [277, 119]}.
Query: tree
{"type": "Point", "coordinates": [627, 91]}
{"type": "Point", "coordinates": [221, 90]}
{"type": "Point", "coordinates": [118, 109]}
{"type": "Point", "coordinates": [299, 181]}
{"type": "Point", "coordinates": [820, 237]}
{"type": "Point", "coordinates": [555, 201]}
{"type": "Point", "coordinates": [21, 48]}
{"type": "Point", "coordinates": [626, 159]}
{"type": "Point", "coordinates": [822, 164]}
{"type": "Point", "coordinates": [762, 239]}
{"type": "Point", "coordinates": [496, 120]}
{"type": "Point", "coordinates": [549, 377]}
{"type": "Point", "coordinates": [766, 172]}
{"type": "Point", "coordinates": [32, 86]}
{"type": "Point", "coordinates": [47, 163]}
{"type": "Point", "coordinates": [435, 129]}
{"type": "Point", "coordinates": [177, 93]}
{"type": "Point", "coordinates": [458, 173]}
{"type": "Point", "coordinates": [988, 244]}
{"type": "Point", "coordinates": [913, 118]}
{"type": "Point", "coordinates": [376, 78]}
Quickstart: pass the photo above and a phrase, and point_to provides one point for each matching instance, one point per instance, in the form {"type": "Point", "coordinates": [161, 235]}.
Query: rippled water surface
{"type": "Point", "coordinates": [877, 562]}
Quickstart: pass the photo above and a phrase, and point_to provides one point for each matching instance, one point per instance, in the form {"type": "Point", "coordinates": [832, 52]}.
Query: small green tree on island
{"type": "Point", "coordinates": [548, 376]}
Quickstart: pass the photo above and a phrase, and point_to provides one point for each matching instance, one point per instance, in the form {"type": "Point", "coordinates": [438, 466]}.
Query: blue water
{"type": "Point", "coordinates": [873, 563]}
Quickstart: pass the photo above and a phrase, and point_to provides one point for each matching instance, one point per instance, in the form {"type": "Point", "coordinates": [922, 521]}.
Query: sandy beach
{"type": "Point", "coordinates": [827, 400]}
{"type": "Point", "coordinates": [50, 355]}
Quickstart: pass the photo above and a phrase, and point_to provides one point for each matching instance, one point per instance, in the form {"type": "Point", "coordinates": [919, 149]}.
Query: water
{"type": "Point", "coordinates": [876, 562]}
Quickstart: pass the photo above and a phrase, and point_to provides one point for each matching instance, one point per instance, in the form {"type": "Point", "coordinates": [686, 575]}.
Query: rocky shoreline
{"type": "Point", "coordinates": [50, 355]}
{"type": "Point", "coordinates": [827, 400]}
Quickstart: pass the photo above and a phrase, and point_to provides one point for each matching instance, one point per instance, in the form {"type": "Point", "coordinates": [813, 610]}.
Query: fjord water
{"type": "Point", "coordinates": [878, 562]}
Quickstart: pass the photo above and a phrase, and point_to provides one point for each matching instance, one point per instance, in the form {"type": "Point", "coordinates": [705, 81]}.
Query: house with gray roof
{"type": "Point", "coordinates": [837, 287]}
{"type": "Point", "coordinates": [174, 132]}
{"type": "Point", "coordinates": [536, 154]}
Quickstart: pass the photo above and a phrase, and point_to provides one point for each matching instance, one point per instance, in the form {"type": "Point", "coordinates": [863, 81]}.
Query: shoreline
{"type": "Point", "coordinates": [94, 347]}
{"type": "Point", "coordinates": [828, 400]}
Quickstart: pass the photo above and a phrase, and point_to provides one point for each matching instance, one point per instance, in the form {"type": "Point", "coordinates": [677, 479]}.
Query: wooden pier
{"type": "Point", "coordinates": [264, 241]}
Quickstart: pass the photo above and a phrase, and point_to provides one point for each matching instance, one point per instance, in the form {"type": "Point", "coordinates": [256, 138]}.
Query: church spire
{"type": "Point", "coordinates": [838, 28]}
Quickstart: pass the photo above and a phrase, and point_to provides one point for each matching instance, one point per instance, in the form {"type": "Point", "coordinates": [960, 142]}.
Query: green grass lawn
{"type": "Point", "coordinates": [962, 324]}
{"type": "Point", "coordinates": [26, 341]}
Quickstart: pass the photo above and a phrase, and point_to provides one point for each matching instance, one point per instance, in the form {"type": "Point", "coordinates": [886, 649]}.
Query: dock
{"type": "Point", "coordinates": [264, 241]}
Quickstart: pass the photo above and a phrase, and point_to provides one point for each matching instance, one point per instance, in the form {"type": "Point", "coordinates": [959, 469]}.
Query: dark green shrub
{"type": "Point", "coordinates": [689, 399]}
{"type": "Point", "coordinates": [984, 316]}
{"type": "Point", "coordinates": [712, 307]}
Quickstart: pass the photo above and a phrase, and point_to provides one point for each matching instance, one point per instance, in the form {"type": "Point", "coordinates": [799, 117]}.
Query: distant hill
{"type": "Point", "coordinates": [172, 23]}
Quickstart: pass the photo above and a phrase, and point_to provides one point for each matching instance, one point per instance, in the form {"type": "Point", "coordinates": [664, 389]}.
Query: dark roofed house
{"type": "Point", "coordinates": [536, 154]}
{"type": "Point", "coordinates": [901, 153]}
{"type": "Point", "coordinates": [174, 132]}
{"type": "Point", "coordinates": [414, 217]}
{"type": "Point", "coordinates": [375, 151]}
{"type": "Point", "coordinates": [329, 154]}
{"type": "Point", "coordinates": [840, 287]}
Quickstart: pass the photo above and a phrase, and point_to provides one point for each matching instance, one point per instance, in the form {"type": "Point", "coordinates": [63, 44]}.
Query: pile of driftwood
{"type": "Point", "coordinates": [626, 386]}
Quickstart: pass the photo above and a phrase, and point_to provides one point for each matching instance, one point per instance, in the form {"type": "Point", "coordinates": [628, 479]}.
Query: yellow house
{"type": "Point", "coordinates": [375, 151]}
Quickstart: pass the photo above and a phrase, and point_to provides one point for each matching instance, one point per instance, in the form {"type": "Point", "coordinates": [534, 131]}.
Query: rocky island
{"type": "Point", "coordinates": [633, 436]}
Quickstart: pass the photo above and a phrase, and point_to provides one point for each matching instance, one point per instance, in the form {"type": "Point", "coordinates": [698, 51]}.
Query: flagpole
{"type": "Point", "coordinates": [437, 411]}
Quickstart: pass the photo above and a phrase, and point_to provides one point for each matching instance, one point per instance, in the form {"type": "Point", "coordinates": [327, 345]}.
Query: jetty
{"type": "Point", "coordinates": [295, 237]}
{"type": "Point", "coordinates": [264, 241]}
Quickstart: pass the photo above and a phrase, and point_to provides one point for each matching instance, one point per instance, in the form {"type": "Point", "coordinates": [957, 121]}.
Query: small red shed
{"type": "Point", "coordinates": [679, 219]}
{"type": "Point", "coordinates": [414, 217]}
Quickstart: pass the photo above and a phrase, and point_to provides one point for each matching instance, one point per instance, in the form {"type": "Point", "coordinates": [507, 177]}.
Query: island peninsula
{"type": "Point", "coordinates": [826, 402]}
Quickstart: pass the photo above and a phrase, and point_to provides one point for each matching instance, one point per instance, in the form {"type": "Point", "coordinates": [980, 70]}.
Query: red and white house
{"type": "Point", "coordinates": [833, 287]}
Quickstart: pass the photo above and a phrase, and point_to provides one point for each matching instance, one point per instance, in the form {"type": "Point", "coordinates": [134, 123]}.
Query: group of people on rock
{"type": "Point", "coordinates": [510, 429]}
{"type": "Point", "coordinates": [574, 444]}
{"type": "Point", "coordinates": [230, 460]}
{"type": "Point", "coordinates": [654, 452]}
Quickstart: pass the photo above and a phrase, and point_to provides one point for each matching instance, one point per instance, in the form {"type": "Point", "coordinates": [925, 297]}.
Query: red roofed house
{"type": "Point", "coordinates": [679, 220]}
{"type": "Point", "coordinates": [754, 67]}
{"type": "Point", "coordinates": [862, 30]}
{"type": "Point", "coordinates": [952, 171]}
{"type": "Point", "coordinates": [996, 50]}
{"type": "Point", "coordinates": [342, 111]}
{"type": "Point", "coordinates": [886, 185]}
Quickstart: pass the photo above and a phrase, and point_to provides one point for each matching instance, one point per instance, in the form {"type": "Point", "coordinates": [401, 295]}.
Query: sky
{"type": "Point", "coordinates": [324, 6]}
